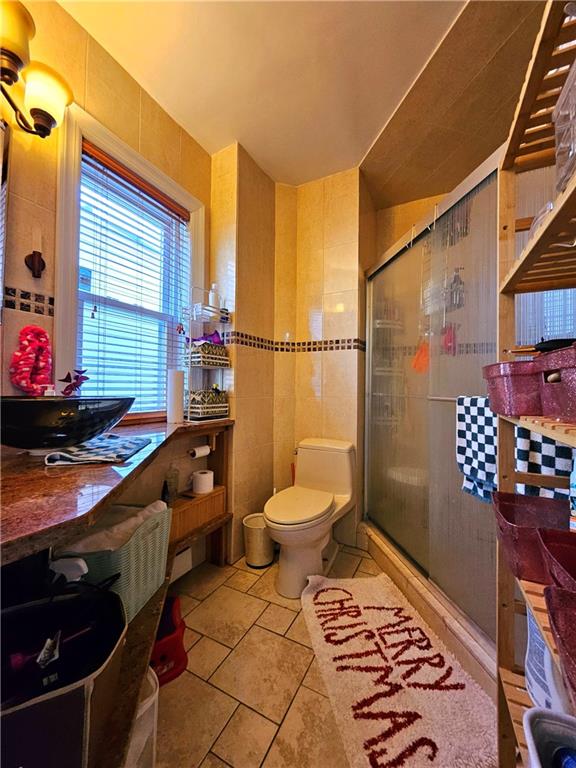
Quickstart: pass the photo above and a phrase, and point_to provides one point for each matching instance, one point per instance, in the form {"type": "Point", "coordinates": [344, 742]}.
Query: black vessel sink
{"type": "Point", "coordinates": [58, 422]}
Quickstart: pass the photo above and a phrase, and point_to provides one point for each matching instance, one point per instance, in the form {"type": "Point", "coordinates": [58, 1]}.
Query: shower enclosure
{"type": "Point", "coordinates": [432, 327]}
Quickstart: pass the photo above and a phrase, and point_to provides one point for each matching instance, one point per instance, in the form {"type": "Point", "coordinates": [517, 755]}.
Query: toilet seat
{"type": "Point", "coordinates": [298, 505]}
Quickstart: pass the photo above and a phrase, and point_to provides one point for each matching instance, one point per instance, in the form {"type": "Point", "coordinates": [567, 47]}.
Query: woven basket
{"type": "Point", "coordinates": [141, 563]}
{"type": "Point", "coordinates": [208, 356]}
{"type": "Point", "coordinates": [206, 403]}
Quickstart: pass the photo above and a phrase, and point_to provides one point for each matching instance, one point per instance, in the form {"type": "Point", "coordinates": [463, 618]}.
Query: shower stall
{"type": "Point", "coordinates": [432, 327]}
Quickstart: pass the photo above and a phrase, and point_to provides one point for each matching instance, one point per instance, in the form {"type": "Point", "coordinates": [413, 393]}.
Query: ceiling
{"type": "Point", "coordinates": [305, 87]}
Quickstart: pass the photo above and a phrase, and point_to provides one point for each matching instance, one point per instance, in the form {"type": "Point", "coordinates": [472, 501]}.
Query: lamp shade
{"type": "Point", "coordinates": [46, 91]}
{"type": "Point", "coordinates": [16, 30]}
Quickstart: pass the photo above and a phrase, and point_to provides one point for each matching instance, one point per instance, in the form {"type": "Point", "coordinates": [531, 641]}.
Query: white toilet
{"type": "Point", "coordinates": [300, 518]}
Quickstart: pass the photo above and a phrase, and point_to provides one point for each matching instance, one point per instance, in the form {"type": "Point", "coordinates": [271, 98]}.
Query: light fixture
{"type": "Point", "coordinates": [46, 94]}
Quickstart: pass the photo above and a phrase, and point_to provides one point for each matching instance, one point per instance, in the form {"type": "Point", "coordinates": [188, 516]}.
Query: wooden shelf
{"type": "Point", "coordinates": [534, 596]}
{"type": "Point", "coordinates": [518, 701]}
{"type": "Point", "coordinates": [562, 432]}
{"type": "Point", "coordinates": [543, 265]}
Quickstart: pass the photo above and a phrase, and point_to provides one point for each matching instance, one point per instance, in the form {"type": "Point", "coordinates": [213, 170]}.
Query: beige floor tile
{"type": "Point", "coordinates": [308, 737]}
{"type": "Point", "coordinates": [187, 604]}
{"type": "Point", "coordinates": [314, 679]}
{"type": "Point", "coordinates": [191, 714]}
{"type": "Point", "coordinates": [226, 615]}
{"type": "Point", "coordinates": [264, 672]}
{"type": "Point", "coordinates": [356, 551]}
{"type": "Point", "coordinates": [246, 738]}
{"type": "Point", "coordinates": [362, 575]}
{"type": "Point", "coordinates": [265, 588]}
{"type": "Point", "coordinates": [299, 631]}
{"type": "Point", "coordinates": [243, 566]}
{"type": "Point", "coordinates": [190, 638]}
{"type": "Point", "coordinates": [203, 580]}
{"type": "Point", "coordinates": [369, 566]}
{"type": "Point", "coordinates": [205, 656]}
{"type": "Point", "coordinates": [211, 761]}
{"type": "Point", "coordinates": [242, 580]}
{"type": "Point", "coordinates": [276, 618]}
{"type": "Point", "coordinates": [344, 566]}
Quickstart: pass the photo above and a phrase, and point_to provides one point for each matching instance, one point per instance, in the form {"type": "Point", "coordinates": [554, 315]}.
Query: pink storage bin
{"type": "Point", "coordinates": [518, 518]}
{"type": "Point", "coordinates": [558, 398]}
{"type": "Point", "coordinates": [559, 553]}
{"type": "Point", "coordinates": [513, 388]}
{"type": "Point", "coordinates": [561, 604]}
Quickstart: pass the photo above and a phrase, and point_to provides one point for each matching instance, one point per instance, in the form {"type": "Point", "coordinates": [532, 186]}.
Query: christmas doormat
{"type": "Point", "coordinates": [400, 698]}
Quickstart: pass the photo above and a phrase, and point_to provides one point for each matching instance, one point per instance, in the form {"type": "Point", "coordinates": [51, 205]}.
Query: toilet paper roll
{"type": "Point", "coordinates": [175, 397]}
{"type": "Point", "coordinates": [203, 481]}
{"type": "Point", "coordinates": [200, 451]}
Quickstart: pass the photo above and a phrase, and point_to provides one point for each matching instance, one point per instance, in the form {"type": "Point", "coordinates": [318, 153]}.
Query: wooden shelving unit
{"type": "Point", "coordinates": [542, 265]}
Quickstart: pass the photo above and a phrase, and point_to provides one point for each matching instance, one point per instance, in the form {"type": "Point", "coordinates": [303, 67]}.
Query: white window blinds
{"type": "Point", "coordinates": [134, 280]}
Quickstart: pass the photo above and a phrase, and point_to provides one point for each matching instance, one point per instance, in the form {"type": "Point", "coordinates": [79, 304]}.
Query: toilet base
{"type": "Point", "coordinates": [296, 564]}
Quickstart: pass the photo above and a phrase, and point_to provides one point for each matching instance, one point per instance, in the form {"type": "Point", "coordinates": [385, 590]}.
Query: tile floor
{"type": "Point", "coordinates": [252, 695]}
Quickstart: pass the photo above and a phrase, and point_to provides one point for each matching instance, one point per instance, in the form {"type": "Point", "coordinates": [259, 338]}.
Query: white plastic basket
{"type": "Point", "coordinates": [141, 561]}
{"type": "Point", "coordinates": [142, 748]}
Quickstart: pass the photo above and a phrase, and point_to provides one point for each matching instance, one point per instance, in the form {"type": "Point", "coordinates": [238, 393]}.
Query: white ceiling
{"type": "Point", "coordinates": [306, 87]}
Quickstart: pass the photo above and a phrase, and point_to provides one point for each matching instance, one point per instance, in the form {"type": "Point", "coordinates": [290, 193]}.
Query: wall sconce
{"type": "Point", "coordinates": [46, 94]}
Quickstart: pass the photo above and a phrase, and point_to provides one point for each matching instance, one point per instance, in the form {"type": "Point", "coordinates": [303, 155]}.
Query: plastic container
{"type": "Point", "coordinates": [142, 747]}
{"type": "Point", "coordinates": [140, 561]}
{"type": "Point", "coordinates": [518, 518]}
{"type": "Point", "coordinates": [561, 604]}
{"type": "Point", "coordinates": [543, 678]}
{"type": "Point", "coordinates": [258, 546]}
{"type": "Point", "coordinates": [559, 552]}
{"type": "Point", "coordinates": [558, 398]}
{"type": "Point", "coordinates": [564, 119]}
{"type": "Point", "coordinates": [169, 657]}
{"type": "Point", "coordinates": [513, 388]}
{"type": "Point", "coordinates": [545, 732]}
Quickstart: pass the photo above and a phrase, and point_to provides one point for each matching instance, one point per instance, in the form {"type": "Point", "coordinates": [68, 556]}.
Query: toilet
{"type": "Point", "coordinates": [300, 518]}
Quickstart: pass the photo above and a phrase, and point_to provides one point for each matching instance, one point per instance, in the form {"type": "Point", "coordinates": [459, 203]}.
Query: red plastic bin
{"type": "Point", "coordinates": [559, 553]}
{"type": "Point", "coordinates": [518, 518]}
{"type": "Point", "coordinates": [561, 604]}
{"type": "Point", "coordinates": [558, 398]}
{"type": "Point", "coordinates": [514, 388]}
{"type": "Point", "coordinates": [169, 657]}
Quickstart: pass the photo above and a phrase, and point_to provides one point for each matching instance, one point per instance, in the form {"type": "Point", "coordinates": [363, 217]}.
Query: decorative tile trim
{"type": "Point", "coordinates": [28, 301]}
{"type": "Point", "coordinates": [323, 345]}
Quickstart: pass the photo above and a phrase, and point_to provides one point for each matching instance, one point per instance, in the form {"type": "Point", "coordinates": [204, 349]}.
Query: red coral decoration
{"type": "Point", "coordinates": [31, 364]}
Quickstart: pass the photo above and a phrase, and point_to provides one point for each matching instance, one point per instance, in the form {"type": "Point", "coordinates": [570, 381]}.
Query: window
{"type": "Point", "coordinates": [134, 277]}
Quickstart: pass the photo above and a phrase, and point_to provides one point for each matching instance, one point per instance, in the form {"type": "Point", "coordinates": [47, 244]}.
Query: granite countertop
{"type": "Point", "coordinates": [43, 506]}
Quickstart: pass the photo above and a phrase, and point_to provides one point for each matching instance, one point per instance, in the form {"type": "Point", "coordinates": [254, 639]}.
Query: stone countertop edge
{"type": "Point", "coordinates": [45, 506]}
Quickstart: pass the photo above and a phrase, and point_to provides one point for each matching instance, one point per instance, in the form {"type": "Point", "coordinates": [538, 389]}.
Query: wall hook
{"type": "Point", "coordinates": [35, 263]}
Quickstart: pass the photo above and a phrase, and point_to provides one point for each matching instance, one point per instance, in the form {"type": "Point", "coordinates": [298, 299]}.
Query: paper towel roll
{"type": "Point", "coordinates": [203, 481]}
{"type": "Point", "coordinates": [175, 397]}
{"type": "Point", "coordinates": [201, 450]}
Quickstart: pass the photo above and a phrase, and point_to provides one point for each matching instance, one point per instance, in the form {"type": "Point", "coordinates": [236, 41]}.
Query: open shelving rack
{"type": "Point", "coordinates": [541, 266]}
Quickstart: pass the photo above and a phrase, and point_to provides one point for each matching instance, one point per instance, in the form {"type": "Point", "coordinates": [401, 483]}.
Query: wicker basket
{"type": "Point", "coordinates": [141, 561]}
{"type": "Point", "coordinates": [208, 356]}
{"type": "Point", "coordinates": [206, 404]}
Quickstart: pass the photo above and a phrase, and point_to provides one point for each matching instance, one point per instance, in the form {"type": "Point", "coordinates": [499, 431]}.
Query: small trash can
{"type": "Point", "coordinates": [258, 545]}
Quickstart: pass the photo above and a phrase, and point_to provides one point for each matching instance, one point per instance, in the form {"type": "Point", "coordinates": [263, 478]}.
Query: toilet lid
{"type": "Point", "coordinates": [298, 505]}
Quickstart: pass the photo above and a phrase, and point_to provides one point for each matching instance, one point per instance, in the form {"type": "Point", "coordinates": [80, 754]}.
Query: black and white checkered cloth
{"type": "Point", "coordinates": [476, 446]}
{"type": "Point", "coordinates": [476, 452]}
{"type": "Point", "coordinates": [105, 449]}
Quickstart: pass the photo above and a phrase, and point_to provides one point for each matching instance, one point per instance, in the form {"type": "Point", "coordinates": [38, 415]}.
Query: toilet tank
{"type": "Point", "coordinates": [326, 465]}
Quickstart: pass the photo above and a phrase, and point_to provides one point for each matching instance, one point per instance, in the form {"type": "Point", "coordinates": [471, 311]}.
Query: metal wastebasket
{"type": "Point", "coordinates": [258, 545]}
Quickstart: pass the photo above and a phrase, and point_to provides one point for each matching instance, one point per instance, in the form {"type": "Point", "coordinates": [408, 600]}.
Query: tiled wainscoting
{"type": "Point", "coordinates": [252, 695]}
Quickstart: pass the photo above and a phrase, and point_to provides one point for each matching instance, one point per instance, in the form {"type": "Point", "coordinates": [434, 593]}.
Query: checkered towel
{"type": "Point", "coordinates": [105, 449]}
{"type": "Point", "coordinates": [476, 446]}
{"type": "Point", "coordinates": [536, 453]}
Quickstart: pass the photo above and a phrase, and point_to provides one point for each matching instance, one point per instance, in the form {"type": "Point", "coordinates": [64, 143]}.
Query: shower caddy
{"type": "Point", "coordinates": [541, 266]}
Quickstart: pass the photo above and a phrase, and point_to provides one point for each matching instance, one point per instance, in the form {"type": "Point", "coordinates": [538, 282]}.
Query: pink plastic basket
{"type": "Point", "coordinates": [558, 398]}
{"type": "Point", "coordinates": [561, 604]}
{"type": "Point", "coordinates": [518, 518]}
{"type": "Point", "coordinates": [559, 553]}
{"type": "Point", "coordinates": [513, 388]}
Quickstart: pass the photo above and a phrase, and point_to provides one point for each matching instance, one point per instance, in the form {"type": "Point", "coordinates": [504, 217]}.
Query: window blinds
{"type": "Point", "coordinates": [133, 283]}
